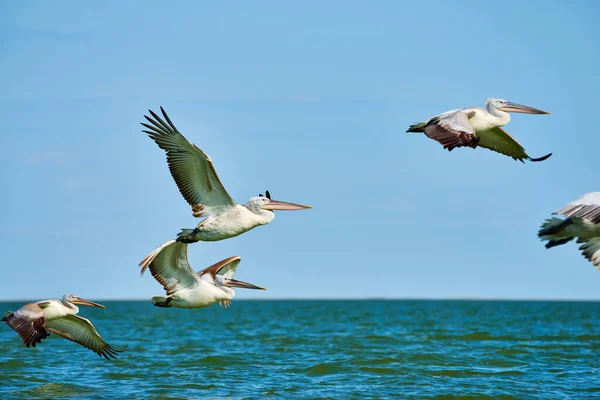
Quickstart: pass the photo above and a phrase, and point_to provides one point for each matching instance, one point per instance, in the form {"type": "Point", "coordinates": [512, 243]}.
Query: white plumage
{"type": "Point", "coordinates": [185, 288]}
{"type": "Point", "coordinates": [35, 321]}
{"type": "Point", "coordinates": [475, 127]}
{"type": "Point", "coordinates": [197, 180]}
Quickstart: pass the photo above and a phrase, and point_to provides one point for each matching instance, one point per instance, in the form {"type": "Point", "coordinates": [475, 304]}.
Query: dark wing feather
{"type": "Point", "coordinates": [586, 208]}
{"type": "Point", "coordinates": [452, 129]}
{"type": "Point", "coordinates": [170, 267]}
{"type": "Point", "coordinates": [591, 250]}
{"type": "Point", "coordinates": [226, 267]}
{"type": "Point", "coordinates": [498, 140]}
{"type": "Point", "coordinates": [28, 321]}
{"type": "Point", "coordinates": [80, 330]}
{"type": "Point", "coordinates": [191, 168]}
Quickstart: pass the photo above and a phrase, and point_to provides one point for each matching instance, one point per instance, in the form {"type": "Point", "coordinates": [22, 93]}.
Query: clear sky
{"type": "Point", "coordinates": [309, 100]}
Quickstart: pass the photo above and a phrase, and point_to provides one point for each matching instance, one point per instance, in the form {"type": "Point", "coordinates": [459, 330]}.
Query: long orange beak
{"type": "Point", "coordinates": [514, 107]}
{"type": "Point", "coordinates": [282, 205]}
{"type": "Point", "coordinates": [88, 303]}
{"type": "Point", "coordinates": [242, 284]}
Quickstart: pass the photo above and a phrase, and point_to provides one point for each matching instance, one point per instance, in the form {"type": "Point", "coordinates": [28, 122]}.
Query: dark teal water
{"type": "Point", "coordinates": [319, 349]}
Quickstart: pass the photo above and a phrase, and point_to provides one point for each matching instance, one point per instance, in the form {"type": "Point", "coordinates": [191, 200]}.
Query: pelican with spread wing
{"type": "Point", "coordinates": [195, 176]}
{"type": "Point", "coordinates": [476, 127]}
{"type": "Point", "coordinates": [188, 289]}
{"type": "Point", "coordinates": [35, 321]}
{"type": "Point", "coordinates": [582, 222]}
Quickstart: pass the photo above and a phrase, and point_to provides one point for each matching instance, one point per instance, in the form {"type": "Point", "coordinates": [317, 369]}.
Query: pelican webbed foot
{"type": "Point", "coordinates": [225, 303]}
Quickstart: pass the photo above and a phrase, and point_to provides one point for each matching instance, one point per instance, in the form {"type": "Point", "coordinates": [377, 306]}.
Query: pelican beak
{"type": "Point", "coordinates": [282, 205]}
{"type": "Point", "coordinates": [243, 285]}
{"type": "Point", "coordinates": [88, 303]}
{"type": "Point", "coordinates": [514, 107]}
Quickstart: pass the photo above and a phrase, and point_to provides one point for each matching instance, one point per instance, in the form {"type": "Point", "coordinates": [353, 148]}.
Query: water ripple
{"type": "Point", "coordinates": [325, 349]}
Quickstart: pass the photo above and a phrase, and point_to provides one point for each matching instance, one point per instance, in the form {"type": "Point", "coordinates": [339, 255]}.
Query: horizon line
{"type": "Point", "coordinates": [474, 299]}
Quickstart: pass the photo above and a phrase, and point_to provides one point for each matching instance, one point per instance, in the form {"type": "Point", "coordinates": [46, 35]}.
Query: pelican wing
{"type": "Point", "coordinates": [591, 250]}
{"type": "Point", "coordinates": [191, 168]}
{"type": "Point", "coordinates": [586, 208]}
{"type": "Point", "coordinates": [28, 321]}
{"type": "Point", "coordinates": [170, 267]}
{"type": "Point", "coordinates": [80, 330]}
{"type": "Point", "coordinates": [498, 140]}
{"type": "Point", "coordinates": [225, 268]}
{"type": "Point", "coordinates": [452, 129]}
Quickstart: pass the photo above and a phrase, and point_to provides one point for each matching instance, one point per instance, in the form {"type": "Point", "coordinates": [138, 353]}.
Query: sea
{"type": "Point", "coordinates": [330, 349]}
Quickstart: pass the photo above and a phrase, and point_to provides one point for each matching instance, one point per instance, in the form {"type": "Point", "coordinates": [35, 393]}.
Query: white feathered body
{"type": "Point", "coordinates": [482, 120]}
{"type": "Point", "coordinates": [56, 309]}
{"type": "Point", "coordinates": [203, 294]}
{"type": "Point", "coordinates": [237, 220]}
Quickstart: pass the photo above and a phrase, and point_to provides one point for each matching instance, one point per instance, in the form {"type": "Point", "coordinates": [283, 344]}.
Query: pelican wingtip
{"type": "Point", "coordinates": [540, 158]}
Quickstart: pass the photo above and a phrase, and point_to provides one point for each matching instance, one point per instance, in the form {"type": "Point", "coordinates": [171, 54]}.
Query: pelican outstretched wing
{"type": "Point", "coordinates": [222, 273]}
{"type": "Point", "coordinates": [28, 321]}
{"type": "Point", "coordinates": [170, 267]}
{"type": "Point", "coordinates": [191, 168]}
{"type": "Point", "coordinates": [80, 330]}
{"type": "Point", "coordinates": [225, 268]}
{"type": "Point", "coordinates": [591, 250]}
{"type": "Point", "coordinates": [452, 129]}
{"type": "Point", "coordinates": [498, 140]}
{"type": "Point", "coordinates": [586, 208]}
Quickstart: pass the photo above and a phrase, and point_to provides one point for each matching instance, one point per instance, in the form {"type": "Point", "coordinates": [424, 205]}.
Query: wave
{"type": "Point", "coordinates": [57, 391]}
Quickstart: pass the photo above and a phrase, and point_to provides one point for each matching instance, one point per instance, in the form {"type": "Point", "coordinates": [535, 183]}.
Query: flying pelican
{"type": "Point", "coordinates": [34, 322]}
{"type": "Point", "coordinates": [474, 126]}
{"type": "Point", "coordinates": [195, 176]}
{"type": "Point", "coordinates": [187, 289]}
{"type": "Point", "coordinates": [582, 222]}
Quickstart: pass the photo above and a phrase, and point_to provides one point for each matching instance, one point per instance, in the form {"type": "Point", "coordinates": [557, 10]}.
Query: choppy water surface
{"type": "Point", "coordinates": [319, 349]}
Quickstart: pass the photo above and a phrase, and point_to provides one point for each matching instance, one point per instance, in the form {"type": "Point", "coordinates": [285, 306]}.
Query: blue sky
{"type": "Point", "coordinates": [309, 100]}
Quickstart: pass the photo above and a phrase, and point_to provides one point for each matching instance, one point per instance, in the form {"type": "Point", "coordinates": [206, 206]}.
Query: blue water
{"type": "Point", "coordinates": [319, 349]}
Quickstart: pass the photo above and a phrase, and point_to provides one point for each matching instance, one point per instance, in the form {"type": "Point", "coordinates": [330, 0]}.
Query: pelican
{"type": "Point", "coordinates": [34, 322]}
{"type": "Point", "coordinates": [474, 126]}
{"type": "Point", "coordinates": [195, 176]}
{"type": "Point", "coordinates": [582, 222]}
{"type": "Point", "coordinates": [188, 289]}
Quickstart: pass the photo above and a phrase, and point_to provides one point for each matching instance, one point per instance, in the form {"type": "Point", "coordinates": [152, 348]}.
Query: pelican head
{"type": "Point", "coordinates": [266, 203]}
{"type": "Point", "coordinates": [507, 106]}
{"type": "Point", "coordinates": [71, 298]}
